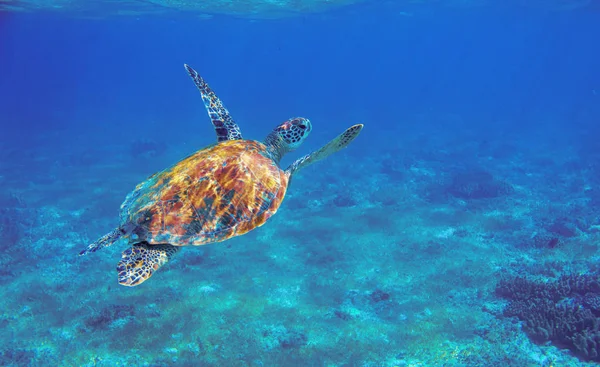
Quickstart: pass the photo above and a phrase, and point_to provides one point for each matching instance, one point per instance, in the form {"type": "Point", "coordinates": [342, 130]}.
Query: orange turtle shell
{"type": "Point", "coordinates": [219, 192]}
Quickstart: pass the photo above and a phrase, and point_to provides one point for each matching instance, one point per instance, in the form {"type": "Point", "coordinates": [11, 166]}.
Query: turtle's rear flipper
{"type": "Point", "coordinates": [140, 261]}
{"type": "Point", "coordinates": [104, 241]}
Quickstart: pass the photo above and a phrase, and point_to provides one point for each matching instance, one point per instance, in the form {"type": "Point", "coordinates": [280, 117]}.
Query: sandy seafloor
{"type": "Point", "coordinates": [378, 256]}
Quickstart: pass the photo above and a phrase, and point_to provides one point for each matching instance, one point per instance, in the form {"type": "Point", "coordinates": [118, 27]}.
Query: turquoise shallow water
{"type": "Point", "coordinates": [461, 228]}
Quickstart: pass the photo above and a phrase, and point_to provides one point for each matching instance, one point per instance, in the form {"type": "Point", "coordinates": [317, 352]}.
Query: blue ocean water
{"type": "Point", "coordinates": [461, 228]}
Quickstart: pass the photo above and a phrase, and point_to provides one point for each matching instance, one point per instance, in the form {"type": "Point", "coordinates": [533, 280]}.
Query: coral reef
{"type": "Point", "coordinates": [280, 336]}
{"type": "Point", "coordinates": [565, 311]}
{"type": "Point", "coordinates": [10, 230]}
{"type": "Point", "coordinates": [108, 315]}
{"type": "Point", "coordinates": [16, 357]}
{"type": "Point", "coordinates": [476, 185]}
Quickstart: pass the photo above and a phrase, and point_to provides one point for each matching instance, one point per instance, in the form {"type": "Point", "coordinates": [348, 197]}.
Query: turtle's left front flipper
{"type": "Point", "coordinates": [140, 261]}
{"type": "Point", "coordinates": [225, 126]}
{"type": "Point", "coordinates": [337, 144]}
{"type": "Point", "coordinates": [104, 241]}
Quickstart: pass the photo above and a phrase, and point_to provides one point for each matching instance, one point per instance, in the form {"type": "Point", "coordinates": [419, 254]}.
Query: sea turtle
{"type": "Point", "coordinates": [219, 192]}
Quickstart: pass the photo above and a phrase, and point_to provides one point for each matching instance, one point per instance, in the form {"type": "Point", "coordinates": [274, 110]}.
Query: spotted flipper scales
{"type": "Point", "coordinates": [140, 261]}
{"type": "Point", "coordinates": [337, 144]}
{"type": "Point", "coordinates": [224, 125]}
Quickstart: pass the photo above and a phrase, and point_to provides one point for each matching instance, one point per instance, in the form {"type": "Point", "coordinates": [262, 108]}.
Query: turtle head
{"type": "Point", "coordinates": [288, 136]}
{"type": "Point", "coordinates": [293, 132]}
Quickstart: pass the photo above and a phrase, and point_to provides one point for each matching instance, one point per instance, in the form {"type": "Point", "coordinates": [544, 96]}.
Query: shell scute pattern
{"type": "Point", "coordinates": [221, 191]}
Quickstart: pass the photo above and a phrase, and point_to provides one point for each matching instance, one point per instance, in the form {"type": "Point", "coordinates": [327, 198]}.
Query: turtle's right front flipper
{"type": "Point", "coordinates": [222, 121]}
{"type": "Point", "coordinates": [335, 145]}
{"type": "Point", "coordinates": [104, 241]}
